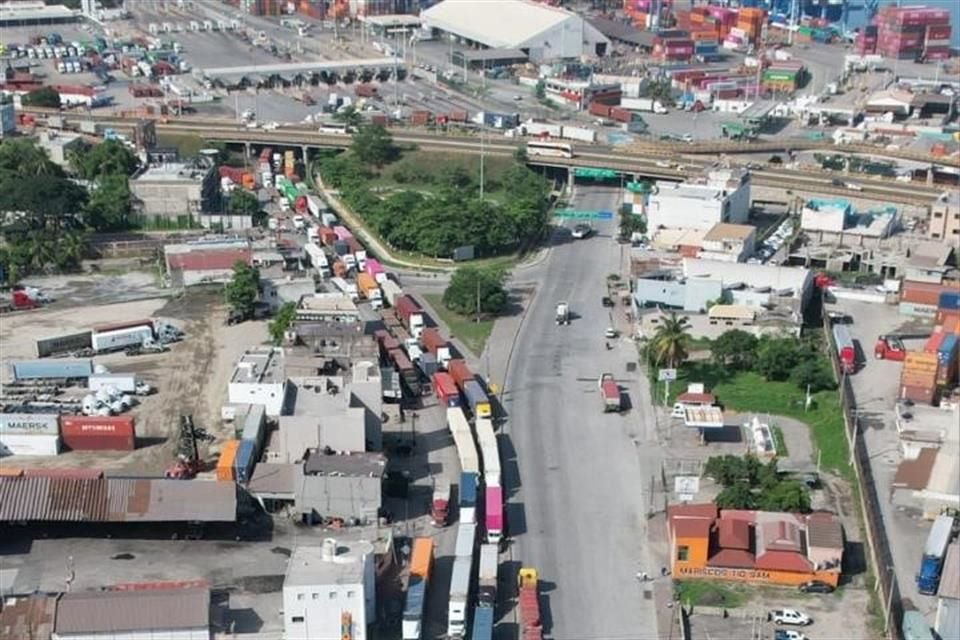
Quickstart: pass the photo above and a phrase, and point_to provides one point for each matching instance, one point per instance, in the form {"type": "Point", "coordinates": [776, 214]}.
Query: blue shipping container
{"type": "Point", "coordinates": [48, 369]}
{"type": "Point", "coordinates": [482, 623]}
{"type": "Point", "coordinates": [949, 300]}
{"type": "Point", "coordinates": [413, 603]}
{"type": "Point", "coordinates": [243, 463]}
{"type": "Point", "coordinates": [475, 395]}
{"type": "Point", "coordinates": [947, 349]}
{"type": "Point", "coordinates": [468, 490]}
{"type": "Point", "coordinates": [254, 426]}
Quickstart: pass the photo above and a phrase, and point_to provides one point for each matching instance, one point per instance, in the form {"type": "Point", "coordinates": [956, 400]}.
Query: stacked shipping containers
{"type": "Point", "coordinates": [29, 434]}
{"type": "Point", "coordinates": [865, 42]}
{"type": "Point", "coordinates": [783, 76]}
{"type": "Point", "coordinates": [948, 309]}
{"type": "Point", "coordinates": [912, 33]}
{"type": "Point", "coordinates": [918, 379]}
{"type": "Point", "coordinates": [675, 46]}
{"type": "Point", "coordinates": [750, 21]}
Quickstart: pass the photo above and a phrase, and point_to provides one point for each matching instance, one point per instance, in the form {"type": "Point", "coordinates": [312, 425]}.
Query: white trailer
{"type": "Point", "coordinates": [579, 133]}
{"type": "Point", "coordinates": [121, 338]}
{"type": "Point", "coordinates": [318, 258]}
{"type": "Point", "coordinates": [540, 128]}
{"type": "Point", "coordinates": [648, 105]}
{"type": "Point", "coordinates": [313, 205]}
{"type": "Point", "coordinates": [459, 596]}
{"type": "Point", "coordinates": [391, 291]}
{"type": "Point", "coordinates": [124, 382]}
{"type": "Point", "coordinates": [487, 575]}
{"type": "Point", "coordinates": [347, 288]}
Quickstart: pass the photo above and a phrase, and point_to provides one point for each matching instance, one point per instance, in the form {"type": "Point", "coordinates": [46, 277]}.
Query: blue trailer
{"type": "Point", "coordinates": [413, 609]}
{"type": "Point", "coordinates": [468, 497]}
{"type": "Point", "coordinates": [482, 623]}
{"type": "Point", "coordinates": [244, 461]}
{"type": "Point", "coordinates": [928, 578]}
{"type": "Point", "coordinates": [51, 369]}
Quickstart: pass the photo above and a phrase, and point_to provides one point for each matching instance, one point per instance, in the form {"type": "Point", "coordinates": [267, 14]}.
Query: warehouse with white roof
{"type": "Point", "coordinates": [542, 32]}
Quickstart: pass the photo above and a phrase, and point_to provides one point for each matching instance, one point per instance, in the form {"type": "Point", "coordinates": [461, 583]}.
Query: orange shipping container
{"type": "Point", "coordinates": [10, 472]}
{"type": "Point", "coordinates": [228, 454]}
{"type": "Point", "coordinates": [920, 363]}
{"type": "Point", "coordinates": [421, 558]}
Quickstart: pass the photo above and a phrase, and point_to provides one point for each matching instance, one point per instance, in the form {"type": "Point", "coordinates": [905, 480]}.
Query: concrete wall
{"type": "Point", "coordinates": [156, 634]}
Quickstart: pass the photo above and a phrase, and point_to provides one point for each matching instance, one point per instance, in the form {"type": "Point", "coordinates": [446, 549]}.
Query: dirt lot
{"type": "Point", "coordinates": [190, 379]}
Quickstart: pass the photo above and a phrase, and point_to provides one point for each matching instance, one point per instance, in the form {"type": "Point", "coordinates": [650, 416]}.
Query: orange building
{"type": "Point", "coordinates": [754, 546]}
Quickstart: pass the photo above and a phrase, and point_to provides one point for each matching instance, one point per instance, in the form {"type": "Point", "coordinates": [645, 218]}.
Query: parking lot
{"type": "Point", "coordinates": [189, 379]}
{"type": "Point", "coordinates": [875, 386]}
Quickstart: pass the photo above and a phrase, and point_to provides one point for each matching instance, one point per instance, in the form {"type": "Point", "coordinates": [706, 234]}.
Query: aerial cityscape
{"type": "Point", "coordinates": [479, 320]}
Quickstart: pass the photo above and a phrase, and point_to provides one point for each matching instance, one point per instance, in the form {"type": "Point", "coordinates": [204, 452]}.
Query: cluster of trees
{"type": "Point", "coordinates": [46, 97]}
{"type": "Point", "coordinates": [453, 215]}
{"type": "Point", "coordinates": [750, 484]}
{"type": "Point", "coordinates": [476, 291]}
{"type": "Point", "coordinates": [243, 289]}
{"type": "Point", "coordinates": [48, 212]}
{"type": "Point", "coordinates": [775, 358]}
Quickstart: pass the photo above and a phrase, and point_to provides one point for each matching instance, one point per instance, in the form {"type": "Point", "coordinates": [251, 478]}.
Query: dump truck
{"type": "Point", "coordinates": [609, 392]}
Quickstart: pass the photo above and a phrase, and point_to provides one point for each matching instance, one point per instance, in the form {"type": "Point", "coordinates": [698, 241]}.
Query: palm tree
{"type": "Point", "coordinates": [669, 343]}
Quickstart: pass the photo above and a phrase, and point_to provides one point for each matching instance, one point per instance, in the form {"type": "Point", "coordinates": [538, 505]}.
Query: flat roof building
{"type": "Point", "coordinates": [729, 242]}
{"type": "Point", "coordinates": [721, 195]}
{"type": "Point", "coordinates": [836, 218]}
{"type": "Point", "coordinates": [206, 261]}
{"type": "Point", "coordinates": [260, 378]}
{"type": "Point", "coordinates": [176, 191]}
{"type": "Point", "coordinates": [329, 591]}
{"type": "Point", "coordinates": [29, 12]}
{"type": "Point", "coordinates": [328, 307]}
{"type": "Point", "coordinates": [542, 32]}
{"type": "Point", "coordinates": [345, 486]}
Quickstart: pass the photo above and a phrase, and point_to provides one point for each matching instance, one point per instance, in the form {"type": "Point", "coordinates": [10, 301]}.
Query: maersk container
{"type": "Point", "coordinates": [51, 369]}
{"type": "Point", "coordinates": [468, 497]}
{"type": "Point", "coordinates": [20, 444]}
{"type": "Point", "coordinates": [47, 347]}
{"type": "Point", "coordinates": [244, 461]}
{"type": "Point", "coordinates": [121, 338]}
{"type": "Point", "coordinates": [29, 424]}
{"type": "Point", "coordinates": [482, 623]}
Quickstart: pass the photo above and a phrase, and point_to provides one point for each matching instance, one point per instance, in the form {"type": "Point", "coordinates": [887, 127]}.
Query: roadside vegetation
{"type": "Point", "coordinates": [242, 290]}
{"type": "Point", "coordinates": [750, 484]}
{"type": "Point", "coordinates": [440, 209]}
{"type": "Point", "coordinates": [710, 593]}
{"type": "Point", "coordinates": [783, 376]}
{"type": "Point", "coordinates": [471, 302]}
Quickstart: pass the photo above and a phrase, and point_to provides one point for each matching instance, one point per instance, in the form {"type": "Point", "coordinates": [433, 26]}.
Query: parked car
{"type": "Point", "coordinates": [788, 634]}
{"type": "Point", "coordinates": [606, 301]}
{"type": "Point", "coordinates": [790, 616]}
{"type": "Point", "coordinates": [816, 586]}
{"type": "Point", "coordinates": [581, 231]}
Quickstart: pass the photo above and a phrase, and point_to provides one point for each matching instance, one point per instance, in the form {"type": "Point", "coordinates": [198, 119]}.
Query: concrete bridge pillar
{"type": "Point", "coordinates": [930, 175]}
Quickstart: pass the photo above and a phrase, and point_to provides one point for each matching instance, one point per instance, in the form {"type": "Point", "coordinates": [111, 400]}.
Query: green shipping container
{"type": "Point", "coordinates": [780, 76]}
{"type": "Point", "coordinates": [805, 30]}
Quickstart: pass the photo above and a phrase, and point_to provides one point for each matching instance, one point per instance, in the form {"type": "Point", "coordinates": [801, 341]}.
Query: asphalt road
{"type": "Point", "coordinates": [578, 499]}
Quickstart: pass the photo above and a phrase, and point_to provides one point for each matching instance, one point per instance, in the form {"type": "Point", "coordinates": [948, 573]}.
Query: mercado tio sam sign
{"type": "Point", "coordinates": [751, 575]}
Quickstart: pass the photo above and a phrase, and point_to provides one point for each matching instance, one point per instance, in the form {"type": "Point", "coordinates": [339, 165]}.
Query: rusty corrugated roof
{"type": "Point", "coordinates": [28, 617]}
{"type": "Point", "coordinates": [116, 500]}
{"type": "Point", "coordinates": [88, 612]}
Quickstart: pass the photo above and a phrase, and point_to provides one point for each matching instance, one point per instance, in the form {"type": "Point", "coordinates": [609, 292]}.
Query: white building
{"type": "Point", "coordinates": [720, 196]}
{"type": "Point", "coordinates": [832, 218]}
{"type": "Point", "coordinates": [329, 592]}
{"type": "Point", "coordinates": [755, 285]}
{"type": "Point", "coordinates": [729, 242]}
{"type": "Point", "coordinates": [260, 378]}
{"type": "Point", "coordinates": [541, 31]}
{"type": "Point", "coordinates": [148, 614]}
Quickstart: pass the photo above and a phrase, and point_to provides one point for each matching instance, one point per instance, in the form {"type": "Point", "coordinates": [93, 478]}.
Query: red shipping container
{"type": "Point", "coordinates": [947, 318]}
{"type": "Point", "coordinates": [597, 109]}
{"type": "Point", "coordinates": [432, 340]}
{"type": "Point", "coordinates": [96, 433]}
{"type": "Point", "coordinates": [457, 116]}
{"type": "Point", "coordinates": [459, 371]}
{"type": "Point", "coordinates": [354, 245]}
{"type": "Point", "coordinates": [445, 390]}
{"type": "Point", "coordinates": [327, 236]}
{"type": "Point", "coordinates": [938, 32]}
{"type": "Point", "coordinates": [72, 474]}
{"type": "Point", "coordinates": [922, 292]}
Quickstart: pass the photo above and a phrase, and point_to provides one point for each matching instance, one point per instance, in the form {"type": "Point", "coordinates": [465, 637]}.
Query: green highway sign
{"type": "Point", "coordinates": [591, 172]}
{"type": "Point", "coordinates": [573, 214]}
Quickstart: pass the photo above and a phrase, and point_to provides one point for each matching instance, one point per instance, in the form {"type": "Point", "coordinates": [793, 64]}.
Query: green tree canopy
{"type": "Point", "coordinates": [281, 322]}
{"type": "Point", "coordinates": [242, 290]}
{"type": "Point", "coordinates": [470, 286]}
{"type": "Point", "coordinates": [736, 496]}
{"type": "Point", "coordinates": [669, 344]}
{"type": "Point", "coordinates": [47, 97]}
{"type": "Point", "coordinates": [24, 158]}
{"type": "Point", "coordinates": [349, 116]}
{"type": "Point", "coordinates": [243, 203]}
{"type": "Point", "coordinates": [373, 145]}
{"type": "Point", "coordinates": [735, 349]}
{"type": "Point", "coordinates": [813, 372]}
{"type": "Point", "coordinates": [111, 157]}
{"type": "Point", "coordinates": [110, 203]}
{"type": "Point", "coordinates": [776, 357]}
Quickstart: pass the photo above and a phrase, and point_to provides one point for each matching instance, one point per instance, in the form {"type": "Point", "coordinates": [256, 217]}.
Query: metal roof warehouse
{"type": "Point", "coordinates": [116, 500]}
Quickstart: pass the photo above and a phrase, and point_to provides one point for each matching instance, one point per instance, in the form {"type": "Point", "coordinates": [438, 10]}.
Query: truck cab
{"type": "Point", "coordinates": [563, 313]}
